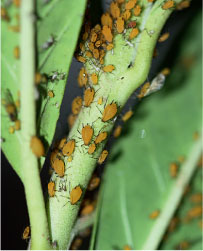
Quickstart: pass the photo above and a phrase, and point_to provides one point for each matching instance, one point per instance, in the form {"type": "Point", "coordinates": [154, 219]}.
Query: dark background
{"type": "Point", "coordinates": [14, 214]}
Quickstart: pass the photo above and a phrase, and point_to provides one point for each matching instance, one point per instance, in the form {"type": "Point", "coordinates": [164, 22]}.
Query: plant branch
{"type": "Point", "coordinates": [30, 171]}
{"type": "Point", "coordinates": [174, 198]}
{"type": "Point", "coordinates": [112, 87]}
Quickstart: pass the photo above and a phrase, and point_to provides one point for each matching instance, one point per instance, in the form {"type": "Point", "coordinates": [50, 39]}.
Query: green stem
{"type": "Point", "coordinates": [174, 198]}
{"type": "Point", "coordinates": [113, 87]}
{"type": "Point", "coordinates": [30, 171]}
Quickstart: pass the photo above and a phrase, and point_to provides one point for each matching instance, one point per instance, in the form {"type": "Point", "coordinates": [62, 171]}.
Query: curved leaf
{"type": "Point", "coordinates": [62, 20]}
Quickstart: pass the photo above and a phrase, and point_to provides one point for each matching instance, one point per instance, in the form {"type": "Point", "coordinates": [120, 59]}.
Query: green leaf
{"type": "Point", "coordinates": [189, 231]}
{"type": "Point", "coordinates": [137, 179]}
{"type": "Point", "coordinates": [62, 20]}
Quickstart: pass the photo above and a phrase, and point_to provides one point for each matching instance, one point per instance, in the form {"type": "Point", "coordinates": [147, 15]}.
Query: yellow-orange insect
{"type": "Point", "coordinates": [37, 147]}
{"type": "Point", "coordinates": [69, 148]}
{"type": "Point", "coordinates": [101, 137]}
{"type": "Point", "coordinates": [103, 157]}
{"type": "Point", "coordinates": [76, 105]}
{"type": "Point", "coordinates": [163, 37]}
{"type": "Point", "coordinates": [75, 195]}
{"type": "Point", "coordinates": [87, 133]}
{"type": "Point", "coordinates": [51, 188]}
{"type": "Point", "coordinates": [110, 112]}
{"type": "Point", "coordinates": [168, 4]}
{"type": "Point", "coordinates": [88, 96]}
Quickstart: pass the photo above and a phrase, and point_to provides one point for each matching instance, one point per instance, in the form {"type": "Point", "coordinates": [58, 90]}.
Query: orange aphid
{"type": "Point", "coordinates": [101, 137]}
{"type": "Point", "coordinates": [17, 125]}
{"type": "Point", "coordinates": [93, 37]}
{"type": "Point", "coordinates": [103, 156]}
{"type": "Point", "coordinates": [88, 96]}
{"type": "Point", "coordinates": [16, 52]}
{"type": "Point", "coordinates": [163, 37]}
{"type": "Point", "coordinates": [88, 54]}
{"type": "Point", "coordinates": [106, 31]}
{"type": "Point", "coordinates": [75, 195]}
{"type": "Point", "coordinates": [182, 5]}
{"type": "Point", "coordinates": [91, 46]}
{"type": "Point", "coordinates": [109, 47]}
{"type": "Point", "coordinates": [173, 170]}
{"type": "Point", "coordinates": [144, 89]}
{"type": "Point", "coordinates": [96, 53]}
{"type": "Point", "coordinates": [94, 78]}
{"type": "Point", "coordinates": [166, 71]}
{"type": "Point", "coordinates": [114, 9]}
{"type": "Point", "coordinates": [51, 188]}
{"type": "Point", "coordinates": [97, 28]}
{"type": "Point", "coordinates": [94, 183]}
{"type": "Point", "coordinates": [195, 212]}
{"type": "Point", "coordinates": [4, 14]}
{"type": "Point", "coordinates": [11, 110]}
{"type": "Point", "coordinates": [154, 214]}
{"type": "Point", "coordinates": [137, 10]}
{"type": "Point", "coordinates": [108, 68]}
{"type": "Point", "coordinates": [130, 4]}
{"type": "Point", "coordinates": [151, 1]}
{"type": "Point", "coordinates": [69, 148]}
{"type": "Point", "coordinates": [76, 105]}
{"type": "Point", "coordinates": [196, 198]}
{"type": "Point", "coordinates": [11, 129]}
{"type": "Point", "coordinates": [40, 78]}
{"type": "Point", "coordinates": [102, 53]}
{"type": "Point", "coordinates": [100, 101]}
{"type": "Point", "coordinates": [168, 4]}
{"type": "Point", "coordinates": [75, 245]}
{"type": "Point", "coordinates": [50, 94]}
{"type": "Point", "coordinates": [82, 77]}
{"type": "Point", "coordinates": [85, 36]}
{"type": "Point", "coordinates": [184, 245]}
{"type": "Point", "coordinates": [127, 247]}
{"type": "Point", "coordinates": [14, 28]}
{"type": "Point", "coordinates": [37, 146]}
{"type": "Point", "coordinates": [82, 47]}
{"type": "Point", "coordinates": [134, 33]}
{"type": "Point", "coordinates": [62, 143]}
{"type": "Point", "coordinates": [109, 112]}
{"type": "Point", "coordinates": [92, 148]}
{"type": "Point", "coordinates": [53, 156]}
{"type": "Point", "coordinates": [120, 1]}
{"type": "Point", "coordinates": [17, 3]}
{"type": "Point", "coordinates": [98, 43]}
{"type": "Point", "coordinates": [117, 131]}
{"type": "Point", "coordinates": [120, 24]}
{"type": "Point", "coordinates": [127, 115]}
{"type": "Point", "coordinates": [106, 20]}
{"type": "Point", "coordinates": [59, 167]}
{"type": "Point", "coordinates": [26, 233]}
{"type": "Point", "coordinates": [87, 133]}
{"type": "Point", "coordinates": [71, 120]}
{"type": "Point", "coordinates": [126, 15]}
{"type": "Point", "coordinates": [88, 209]}
{"type": "Point", "coordinates": [173, 224]}
{"type": "Point", "coordinates": [81, 59]}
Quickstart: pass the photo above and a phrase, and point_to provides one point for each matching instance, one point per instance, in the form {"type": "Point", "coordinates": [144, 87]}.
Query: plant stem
{"type": "Point", "coordinates": [112, 87]}
{"type": "Point", "coordinates": [174, 198]}
{"type": "Point", "coordinates": [30, 171]}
